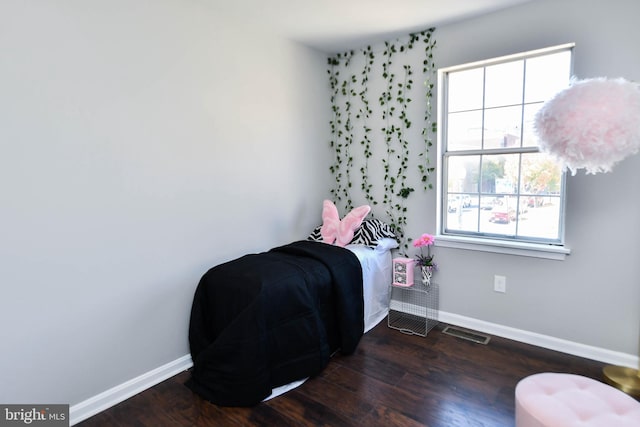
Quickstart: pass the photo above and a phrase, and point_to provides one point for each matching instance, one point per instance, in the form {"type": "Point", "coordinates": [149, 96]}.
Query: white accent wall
{"type": "Point", "coordinates": [141, 143]}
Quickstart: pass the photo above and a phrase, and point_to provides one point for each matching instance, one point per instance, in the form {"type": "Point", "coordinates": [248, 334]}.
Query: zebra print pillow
{"type": "Point", "coordinates": [371, 231]}
{"type": "Point", "coordinates": [315, 234]}
{"type": "Point", "coordinates": [368, 234]}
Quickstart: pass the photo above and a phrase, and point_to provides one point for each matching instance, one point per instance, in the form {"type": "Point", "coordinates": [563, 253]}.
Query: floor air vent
{"type": "Point", "coordinates": [466, 335]}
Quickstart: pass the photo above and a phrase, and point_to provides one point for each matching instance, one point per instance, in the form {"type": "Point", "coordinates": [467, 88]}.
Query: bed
{"type": "Point", "coordinates": [376, 275]}
{"type": "Point", "coordinates": [263, 323]}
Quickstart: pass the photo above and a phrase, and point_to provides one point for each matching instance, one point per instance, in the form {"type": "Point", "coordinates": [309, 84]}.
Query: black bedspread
{"type": "Point", "coordinates": [265, 320]}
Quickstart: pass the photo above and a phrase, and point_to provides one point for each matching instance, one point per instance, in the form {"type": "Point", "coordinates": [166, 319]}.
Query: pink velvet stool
{"type": "Point", "coordinates": [566, 400]}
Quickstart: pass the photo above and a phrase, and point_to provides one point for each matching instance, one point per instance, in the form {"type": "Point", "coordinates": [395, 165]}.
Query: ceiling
{"type": "Point", "coordinates": [338, 25]}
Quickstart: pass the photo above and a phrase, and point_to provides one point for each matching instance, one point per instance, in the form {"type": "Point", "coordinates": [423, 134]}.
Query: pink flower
{"type": "Point", "coordinates": [424, 240]}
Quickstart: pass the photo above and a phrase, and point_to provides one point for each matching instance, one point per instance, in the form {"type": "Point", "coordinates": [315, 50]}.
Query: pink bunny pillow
{"type": "Point", "coordinates": [340, 232]}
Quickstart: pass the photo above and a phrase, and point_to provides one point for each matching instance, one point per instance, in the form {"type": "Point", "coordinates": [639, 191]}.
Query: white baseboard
{"type": "Point", "coordinates": [124, 391]}
{"type": "Point", "coordinates": [115, 395]}
{"type": "Point", "coordinates": [551, 343]}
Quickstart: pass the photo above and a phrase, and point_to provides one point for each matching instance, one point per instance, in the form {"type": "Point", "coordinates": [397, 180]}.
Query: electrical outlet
{"type": "Point", "coordinates": [500, 283]}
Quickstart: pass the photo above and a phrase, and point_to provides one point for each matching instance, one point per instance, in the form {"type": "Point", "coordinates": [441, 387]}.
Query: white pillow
{"type": "Point", "coordinates": [386, 244]}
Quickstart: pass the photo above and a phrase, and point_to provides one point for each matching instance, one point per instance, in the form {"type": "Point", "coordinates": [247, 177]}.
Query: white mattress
{"type": "Point", "coordinates": [376, 277]}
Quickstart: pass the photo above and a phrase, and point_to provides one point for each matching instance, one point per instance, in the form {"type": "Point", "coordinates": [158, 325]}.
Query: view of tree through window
{"type": "Point", "coordinates": [496, 183]}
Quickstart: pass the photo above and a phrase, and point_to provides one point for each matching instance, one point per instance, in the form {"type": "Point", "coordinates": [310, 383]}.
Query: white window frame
{"type": "Point", "coordinates": [482, 243]}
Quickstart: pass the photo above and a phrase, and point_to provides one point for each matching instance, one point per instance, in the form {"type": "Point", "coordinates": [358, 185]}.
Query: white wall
{"type": "Point", "coordinates": [592, 297]}
{"type": "Point", "coordinates": [140, 144]}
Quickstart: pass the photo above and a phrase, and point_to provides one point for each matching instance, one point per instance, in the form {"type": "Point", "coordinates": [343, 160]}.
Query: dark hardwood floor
{"type": "Point", "coordinates": [393, 379]}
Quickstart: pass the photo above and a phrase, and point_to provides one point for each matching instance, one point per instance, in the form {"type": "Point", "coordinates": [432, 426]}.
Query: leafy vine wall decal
{"type": "Point", "coordinates": [379, 137]}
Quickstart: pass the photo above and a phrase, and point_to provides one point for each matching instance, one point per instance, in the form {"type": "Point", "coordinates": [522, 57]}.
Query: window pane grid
{"type": "Point", "coordinates": [496, 183]}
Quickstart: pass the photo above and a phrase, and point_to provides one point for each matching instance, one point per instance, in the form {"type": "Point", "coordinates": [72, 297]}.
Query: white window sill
{"type": "Point", "coordinates": [504, 247]}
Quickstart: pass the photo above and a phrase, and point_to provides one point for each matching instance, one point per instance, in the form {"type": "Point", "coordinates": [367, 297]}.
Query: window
{"type": "Point", "coordinates": [496, 185]}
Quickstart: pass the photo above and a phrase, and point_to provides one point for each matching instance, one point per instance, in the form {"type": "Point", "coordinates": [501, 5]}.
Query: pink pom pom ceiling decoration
{"type": "Point", "coordinates": [593, 124]}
